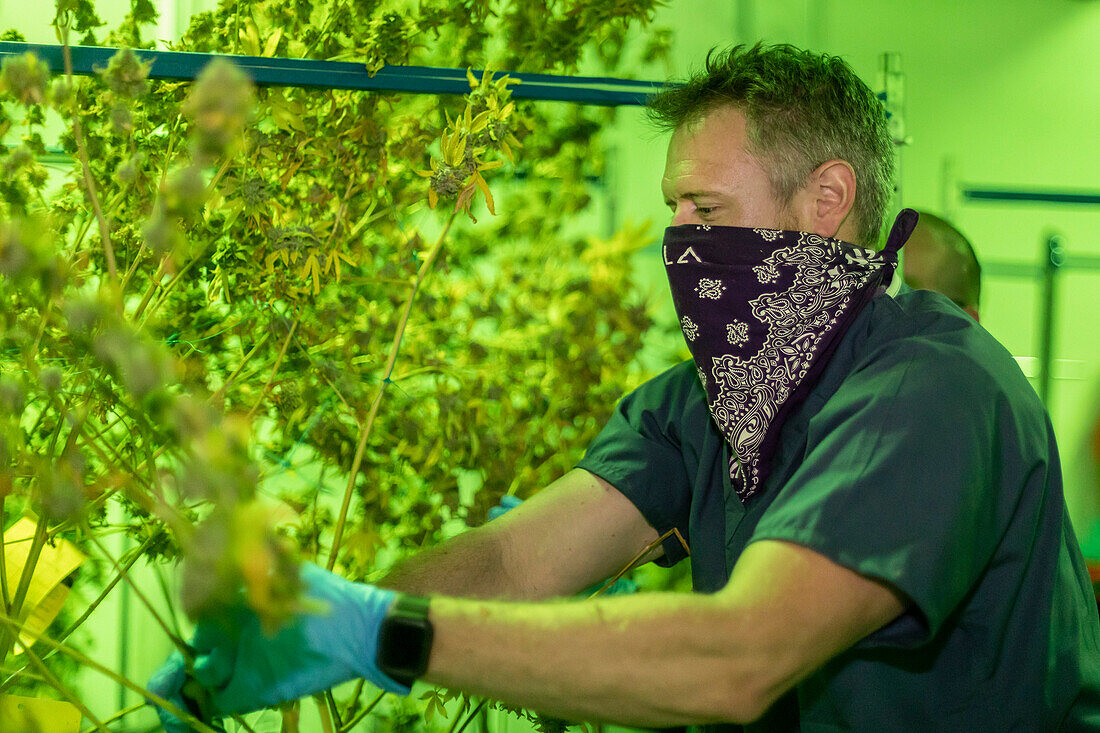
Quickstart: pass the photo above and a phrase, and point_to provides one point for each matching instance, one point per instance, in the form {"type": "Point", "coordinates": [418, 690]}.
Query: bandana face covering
{"type": "Point", "coordinates": [762, 311]}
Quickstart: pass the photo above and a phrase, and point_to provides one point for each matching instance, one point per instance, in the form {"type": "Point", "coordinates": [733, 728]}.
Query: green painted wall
{"type": "Point", "coordinates": [1003, 92]}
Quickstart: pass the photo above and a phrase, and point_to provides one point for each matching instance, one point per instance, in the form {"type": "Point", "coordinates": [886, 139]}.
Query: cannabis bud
{"type": "Point", "coordinates": [184, 190]}
{"type": "Point", "coordinates": [61, 93]}
{"type": "Point", "coordinates": [12, 396]}
{"type": "Point", "coordinates": [84, 314]}
{"type": "Point", "coordinates": [50, 379]}
{"type": "Point", "coordinates": [220, 105]}
{"type": "Point", "coordinates": [448, 181]}
{"type": "Point", "coordinates": [14, 253]}
{"type": "Point", "coordinates": [125, 75]}
{"type": "Point", "coordinates": [60, 494]}
{"type": "Point", "coordinates": [160, 233]}
{"type": "Point", "coordinates": [18, 158]}
{"type": "Point", "coordinates": [142, 366]}
{"type": "Point", "coordinates": [129, 169]}
{"type": "Point", "coordinates": [25, 78]}
{"type": "Point", "coordinates": [121, 121]}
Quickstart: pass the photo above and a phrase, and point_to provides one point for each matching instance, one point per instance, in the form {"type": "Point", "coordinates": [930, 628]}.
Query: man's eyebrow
{"type": "Point", "coordinates": [693, 195]}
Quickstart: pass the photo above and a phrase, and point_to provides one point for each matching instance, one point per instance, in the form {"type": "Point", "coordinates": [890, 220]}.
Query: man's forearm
{"type": "Point", "coordinates": [470, 565]}
{"type": "Point", "coordinates": [649, 660]}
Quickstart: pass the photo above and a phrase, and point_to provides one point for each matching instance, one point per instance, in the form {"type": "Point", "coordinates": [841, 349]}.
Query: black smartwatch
{"type": "Point", "coordinates": [405, 640]}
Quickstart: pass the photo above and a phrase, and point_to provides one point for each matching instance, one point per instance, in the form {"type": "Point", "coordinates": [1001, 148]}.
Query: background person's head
{"type": "Point", "coordinates": [801, 110]}
{"type": "Point", "coordinates": [939, 257]}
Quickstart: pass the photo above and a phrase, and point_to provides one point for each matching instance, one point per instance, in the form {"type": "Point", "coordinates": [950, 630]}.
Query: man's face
{"type": "Point", "coordinates": [710, 177]}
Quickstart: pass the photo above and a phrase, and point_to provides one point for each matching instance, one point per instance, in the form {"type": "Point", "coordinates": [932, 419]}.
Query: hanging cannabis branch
{"type": "Point", "coordinates": [246, 326]}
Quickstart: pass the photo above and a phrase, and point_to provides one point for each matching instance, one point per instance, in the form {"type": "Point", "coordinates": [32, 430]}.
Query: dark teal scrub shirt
{"type": "Point", "coordinates": [922, 458]}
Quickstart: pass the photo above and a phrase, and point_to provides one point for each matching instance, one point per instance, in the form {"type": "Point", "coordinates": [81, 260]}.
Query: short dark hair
{"type": "Point", "coordinates": [802, 109]}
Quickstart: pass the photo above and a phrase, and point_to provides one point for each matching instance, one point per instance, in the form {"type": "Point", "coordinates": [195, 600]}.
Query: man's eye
{"type": "Point", "coordinates": [704, 210]}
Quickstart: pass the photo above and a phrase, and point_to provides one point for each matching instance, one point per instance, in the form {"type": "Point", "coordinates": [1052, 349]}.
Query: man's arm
{"type": "Point", "coordinates": [573, 533]}
{"type": "Point", "coordinates": [664, 659]}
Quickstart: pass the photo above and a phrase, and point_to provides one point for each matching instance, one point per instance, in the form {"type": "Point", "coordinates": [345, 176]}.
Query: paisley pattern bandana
{"type": "Point", "coordinates": [762, 311]}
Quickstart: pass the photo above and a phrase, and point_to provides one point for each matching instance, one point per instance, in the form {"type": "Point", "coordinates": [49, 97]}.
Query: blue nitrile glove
{"type": "Point", "coordinates": [243, 669]}
{"type": "Point", "coordinates": [169, 682]}
{"type": "Point", "coordinates": [507, 504]}
{"type": "Point", "coordinates": [622, 586]}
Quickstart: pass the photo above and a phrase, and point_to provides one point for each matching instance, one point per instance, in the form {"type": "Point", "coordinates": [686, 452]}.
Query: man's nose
{"type": "Point", "coordinates": [684, 214]}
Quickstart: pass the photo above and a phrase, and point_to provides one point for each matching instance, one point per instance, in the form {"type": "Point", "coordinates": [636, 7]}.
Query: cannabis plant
{"type": "Point", "coordinates": [248, 326]}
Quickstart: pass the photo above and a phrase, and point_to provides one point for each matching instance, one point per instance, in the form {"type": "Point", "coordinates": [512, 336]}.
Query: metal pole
{"type": "Point", "coordinates": [264, 71]}
{"type": "Point", "coordinates": [1053, 259]}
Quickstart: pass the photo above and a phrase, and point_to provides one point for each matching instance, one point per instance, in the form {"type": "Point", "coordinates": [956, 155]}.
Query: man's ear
{"type": "Point", "coordinates": [826, 201]}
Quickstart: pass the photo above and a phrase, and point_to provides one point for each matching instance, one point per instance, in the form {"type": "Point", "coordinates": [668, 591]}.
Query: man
{"type": "Point", "coordinates": [868, 486]}
{"type": "Point", "coordinates": [939, 257]}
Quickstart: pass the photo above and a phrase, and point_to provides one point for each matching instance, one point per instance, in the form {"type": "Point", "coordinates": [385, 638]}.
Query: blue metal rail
{"type": "Point", "coordinates": [1033, 196]}
{"type": "Point", "coordinates": [178, 65]}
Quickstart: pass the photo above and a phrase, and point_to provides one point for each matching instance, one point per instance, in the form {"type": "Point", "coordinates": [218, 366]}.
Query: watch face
{"type": "Point", "coordinates": [409, 645]}
{"type": "Point", "coordinates": [405, 640]}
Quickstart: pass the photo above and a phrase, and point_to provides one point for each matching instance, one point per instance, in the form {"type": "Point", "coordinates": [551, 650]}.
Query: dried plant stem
{"type": "Point", "coordinates": [134, 554]}
{"type": "Point", "coordinates": [641, 555]}
{"type": "Point", "coordinates": [322, 35]}
{"type": "Point", "coordinates": [163, 175]}
{"type": "Point", "coordinates": [86, 224]}
{"type": "Point", "coordinates": [170, 512]}
{"type": "Point", "coordinates": [57, 684]}
{"type": "Point", "coordinates": [180, 643]}
{"type": "Point", "coordinates": [341, 212]}
{"type": "Point", "coordinates": [138, 257]}
{"type": "Point", "coordinates": [41, 328]}
{"type": "Point", "coordinates": [217, 396]}
{"type": "Point", "coordinates": [121, 714]}
{"type": "Point", "coordinates": [86, 661]}
{"type": "Point", "coordinates": [292, 715]}
{"type": "Point", "coordinates": [141, 498]}
{"type": "Point", "coordinates": [333, 709]}
{"type": "Point", "coordinates": [16, 606]}
{"type": "Point", "coordinates": [167, 289]}
{"type": "Point", "coordinates": [239, 719]}
{"type": "Point", "coordinates": [395, 348]}
{"type": "Point", "coordinates": [324, 713]}
{"type": "Point", "coordinates": [85, 165]}
{"type": "Point", "coordinates": [151, 289]}
{"type": "Point", "coordinates": [469, 718]}
{"type": "Point", "coordinates": [358, 717]}
{"type": "Point", "coordinates": [4, 596]}
{"type": "Point", "coordinates": [329, 382]}
{"type": "Point", "coordinates": [216, 179]}
{"type": "Point", "coordinates": [275, 367]}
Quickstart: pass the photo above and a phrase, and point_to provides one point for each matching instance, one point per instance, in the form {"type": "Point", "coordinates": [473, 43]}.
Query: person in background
{"type": "Point", "coordinates": [939, 257]}
{"type": "Point", "coordinates": [867, 485]}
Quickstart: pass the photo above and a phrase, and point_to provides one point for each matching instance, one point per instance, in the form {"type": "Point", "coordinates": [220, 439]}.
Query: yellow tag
{"type": "Point", "coordinates": [48, 589]}
{"type": "Point", "coordinates": [35, 715]}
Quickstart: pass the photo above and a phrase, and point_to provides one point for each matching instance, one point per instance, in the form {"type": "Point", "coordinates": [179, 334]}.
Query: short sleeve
{"type": "Point", "coordinates": [639, 453]}
{"type": "Point", "coordinates": [898, 481]}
